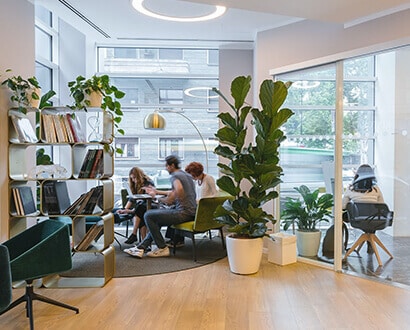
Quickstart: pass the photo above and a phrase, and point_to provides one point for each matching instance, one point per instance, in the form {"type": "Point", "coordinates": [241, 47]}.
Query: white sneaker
{"type": "Point", "coordinates": [135, 252]}
{"type": "Point", "coordinates": [159, 253]}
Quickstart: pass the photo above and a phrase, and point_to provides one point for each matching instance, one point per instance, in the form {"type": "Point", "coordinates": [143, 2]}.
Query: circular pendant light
{"type": "Point", "coordinates": [139, 6]}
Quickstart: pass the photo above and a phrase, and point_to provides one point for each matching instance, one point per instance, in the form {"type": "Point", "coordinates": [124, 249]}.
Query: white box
{"type": "Point", "coordinates": [282, 249]}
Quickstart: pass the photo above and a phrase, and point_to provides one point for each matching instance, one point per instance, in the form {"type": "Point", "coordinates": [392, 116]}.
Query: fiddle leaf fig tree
{"type": "Point", "coordinates": [255, 165]}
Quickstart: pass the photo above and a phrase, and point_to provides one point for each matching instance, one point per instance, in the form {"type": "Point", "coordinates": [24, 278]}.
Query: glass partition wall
{"type": "Point", "coordinates": [376, 123]}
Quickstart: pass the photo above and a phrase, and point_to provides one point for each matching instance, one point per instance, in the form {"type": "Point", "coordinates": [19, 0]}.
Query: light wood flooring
{"type": "Point", "coordinates": [297, 296]}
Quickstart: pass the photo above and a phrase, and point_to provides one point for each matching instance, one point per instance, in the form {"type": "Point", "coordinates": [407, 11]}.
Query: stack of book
{"type": "Point", "coordinates": [90, 235]}
{"type": "Point", "coordinates": [61, 128]}
{"type": "Point", "coordinates": [87, 203]}
{"type": "Point", "coordinates": [93, 164]}
{"type": "Point", "coordinates": [23, 200]}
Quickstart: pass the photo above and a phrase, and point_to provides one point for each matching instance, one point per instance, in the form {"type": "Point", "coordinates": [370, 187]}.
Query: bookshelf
{"type": "Point", "coordinates": [72, 140]}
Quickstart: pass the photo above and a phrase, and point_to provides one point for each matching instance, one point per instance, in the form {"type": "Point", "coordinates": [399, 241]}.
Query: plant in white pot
{"type": "Point", "coordinates": [307, 213]}
{"type": "Point", "coordinates": [255, 165]}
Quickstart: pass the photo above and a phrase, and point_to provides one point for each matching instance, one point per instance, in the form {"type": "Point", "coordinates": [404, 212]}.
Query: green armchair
{"type": "Point", "coordinates": [204, 222]}
{"type": "Point", "coordinates": [5, 279]}
{"type": "Point", "coordinates": [40, 250]}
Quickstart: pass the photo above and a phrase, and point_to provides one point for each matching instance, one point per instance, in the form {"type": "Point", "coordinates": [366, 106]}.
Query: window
{"type": "Point", "coordinates": [170, 96]}
{"type": "Point", "coordinates": [130, 147]}
{"type": "Point", "coordinates": [309, 148]}
{"type": "Point", "coordinates": [170, 146]}
{"type": "Point", "coordinates": [213, 57]}
{"type": "Point", "coordinates": [158, 78]}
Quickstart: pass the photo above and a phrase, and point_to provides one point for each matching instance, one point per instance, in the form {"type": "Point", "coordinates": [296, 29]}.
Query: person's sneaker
{"type": "Point", "coordinates": [159, 253]}
{"type": "Point", "coordinates": [135, 252]}
{"type": "Point", "coordinates": [179, 244]}
{"type": "Point", "coordinates": [131, 239]}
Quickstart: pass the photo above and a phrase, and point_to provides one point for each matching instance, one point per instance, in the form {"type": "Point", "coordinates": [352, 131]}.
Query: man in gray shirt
{"type": "Point", "coordinates": [182, 195]}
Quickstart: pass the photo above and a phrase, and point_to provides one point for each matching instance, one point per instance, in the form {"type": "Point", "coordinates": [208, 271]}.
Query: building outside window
{"type": "Point", "coordinates": [307, 156]}
{"type": "Point", "coordinates": [160, 79]}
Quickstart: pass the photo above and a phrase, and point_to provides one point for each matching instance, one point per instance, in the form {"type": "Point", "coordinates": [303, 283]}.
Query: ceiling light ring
{"type": "Point", "coordinates": [139, 6]}
{"type": "Point", "coordinates": [189, 91]}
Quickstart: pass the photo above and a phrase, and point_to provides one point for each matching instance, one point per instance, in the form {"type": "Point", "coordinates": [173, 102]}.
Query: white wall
{"type": "Point", "coordinates": [17, 53]}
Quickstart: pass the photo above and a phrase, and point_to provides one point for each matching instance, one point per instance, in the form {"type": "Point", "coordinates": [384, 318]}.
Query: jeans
{"type": "Point", "coordinates": [155, 219]}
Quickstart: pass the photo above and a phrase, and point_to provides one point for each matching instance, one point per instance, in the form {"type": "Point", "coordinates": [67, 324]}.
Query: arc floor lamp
{"type": "Point", "coordinates": [155, 121]}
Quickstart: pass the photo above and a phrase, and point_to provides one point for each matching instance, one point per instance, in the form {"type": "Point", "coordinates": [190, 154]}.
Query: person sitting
{"type": "Point", "coordinates": [182, 195]}
{"type": "Point", "coordinates": [363, 189]}
{"type": "Point", "coordinates": [204, 183]}
{"type": "Point", "coordinates": [137, 181]}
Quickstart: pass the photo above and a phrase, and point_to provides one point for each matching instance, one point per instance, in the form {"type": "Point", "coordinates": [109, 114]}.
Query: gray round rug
{"type": "Point", "coordinates": [91, 264]}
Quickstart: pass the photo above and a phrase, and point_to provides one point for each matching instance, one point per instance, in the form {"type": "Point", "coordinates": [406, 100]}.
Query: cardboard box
{"type": "Point", "coordinates": [282, 249]}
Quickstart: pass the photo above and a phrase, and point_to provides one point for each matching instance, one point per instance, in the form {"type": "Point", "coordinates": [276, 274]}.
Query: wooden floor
{"type": "Point", "coordinates": [297, 296]}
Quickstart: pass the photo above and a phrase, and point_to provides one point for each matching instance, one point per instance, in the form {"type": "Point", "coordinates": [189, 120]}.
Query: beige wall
{"type": "Point", "coordinates": [17, 53]}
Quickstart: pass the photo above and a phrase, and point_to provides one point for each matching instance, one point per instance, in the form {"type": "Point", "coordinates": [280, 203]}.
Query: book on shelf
{"type": "Point", "coordinates": [55, 197]}
{"type": "Point", "coordinates": [59, 128]}
{"type": "Point", "coordinates": [23, 127]}
{"type": "Point", "coordinates": [24, 200]}
{"type": "Point", "coordinates": [90, 167]}
{"type": "Point", "coordinates": [67, 127]}
{"type": "Point", "coordinates": [90, 235]}
{"type": "Point", "coordinates": [76, 128]}
{"type": "Point", "coordinates": [87, 202]}
{"type": "Point", "coordinates": [16, 202]}
{"type": "Point", "coordinates": [97, 169]}
{"type": "Point", "coordinates": [49, 131]}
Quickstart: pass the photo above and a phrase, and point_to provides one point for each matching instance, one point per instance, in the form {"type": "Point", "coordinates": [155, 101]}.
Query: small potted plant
{"type": "Point", "coordinates": [25, 93]}
{"type": "Point", "coordinates": [256, 165]}
{"type": "Point", "coordinates": [98, 91]}
{"type": "Point", "coordinates": [307, 213]}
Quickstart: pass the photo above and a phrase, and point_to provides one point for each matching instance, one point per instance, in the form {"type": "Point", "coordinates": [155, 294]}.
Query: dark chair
{"type": "Point", "coordinates": [39, 251]}
{"type": "Point", "coordinates": [369, 217]}
{"type": "Point", "coordinates": [203, 222]}
{"type": "Point", "coordinates": [5, 279]}
{"type": "Point", "coordinates": [120, 218]}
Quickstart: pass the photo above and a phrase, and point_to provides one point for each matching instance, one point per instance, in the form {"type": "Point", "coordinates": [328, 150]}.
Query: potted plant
{"type": "Point", "coordinates": [307, 213]}
{"type": "Point", "coordinates": [256, 165]}
{"type": "Point", "coordinates": [98, 91]}
{"type": "Point", "coordinates": [25, 93]}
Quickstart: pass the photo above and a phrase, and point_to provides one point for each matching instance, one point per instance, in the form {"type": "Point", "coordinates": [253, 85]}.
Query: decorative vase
{"type": "Point", "coordinates": [95, 99]}
{"type": "Point", "coordinates": [32, 102]}
{"type": "Point", "coordinates": [308, 242]}
{"type": "Point", "coordinates": [244, 254]}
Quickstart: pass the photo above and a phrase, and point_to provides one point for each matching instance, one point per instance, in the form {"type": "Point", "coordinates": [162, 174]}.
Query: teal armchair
{"type": "Point", "coordinates": [5, 279]}
{"type": "Point", "coordinates": [40, 250]}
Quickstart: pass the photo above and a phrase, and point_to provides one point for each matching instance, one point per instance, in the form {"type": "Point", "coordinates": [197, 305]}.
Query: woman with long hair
{"type": "Point", "coordinates": [137, 181]}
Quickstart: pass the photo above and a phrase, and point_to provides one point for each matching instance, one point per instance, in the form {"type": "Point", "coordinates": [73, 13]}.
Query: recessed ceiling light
{"type": "Point", "coordinates": [304, 84]}
{"type": "Point", "coordinates": [139, 6]}
{"type": "Point", "coordinates": [189, 91]}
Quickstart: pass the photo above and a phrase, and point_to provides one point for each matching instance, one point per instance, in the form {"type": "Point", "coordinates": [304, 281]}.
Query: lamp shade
{"type": "Point", "coordinates": [154, 121]}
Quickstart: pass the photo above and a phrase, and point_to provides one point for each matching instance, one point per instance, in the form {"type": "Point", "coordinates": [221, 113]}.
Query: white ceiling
{"type": "Point", "coordinates": [118, 20]}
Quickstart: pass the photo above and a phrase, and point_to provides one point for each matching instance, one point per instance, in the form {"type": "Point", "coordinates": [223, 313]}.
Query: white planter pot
{"type": "Point", "coordinates": [244, 254]}
{"type": "Point", "coordinates": [308, 243]}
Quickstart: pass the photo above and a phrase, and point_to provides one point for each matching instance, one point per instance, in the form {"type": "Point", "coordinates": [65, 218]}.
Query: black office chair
{"type": "Point", "coordinates": [369, 217]}
{"type": "Point", "coordinates": [120, 218]}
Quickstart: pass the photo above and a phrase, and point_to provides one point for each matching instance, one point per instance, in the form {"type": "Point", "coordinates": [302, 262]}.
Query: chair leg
{"type": "Point", "coordinates": [28, 298]}
{"type": "Point", "coordinates": [222, 238]}
{"type": "Point", "coordinates": [377, 240]}
{"type": "Point", "coordinates": [360, 241]}
{"type": "Point", "coordinates": [194, 246]}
